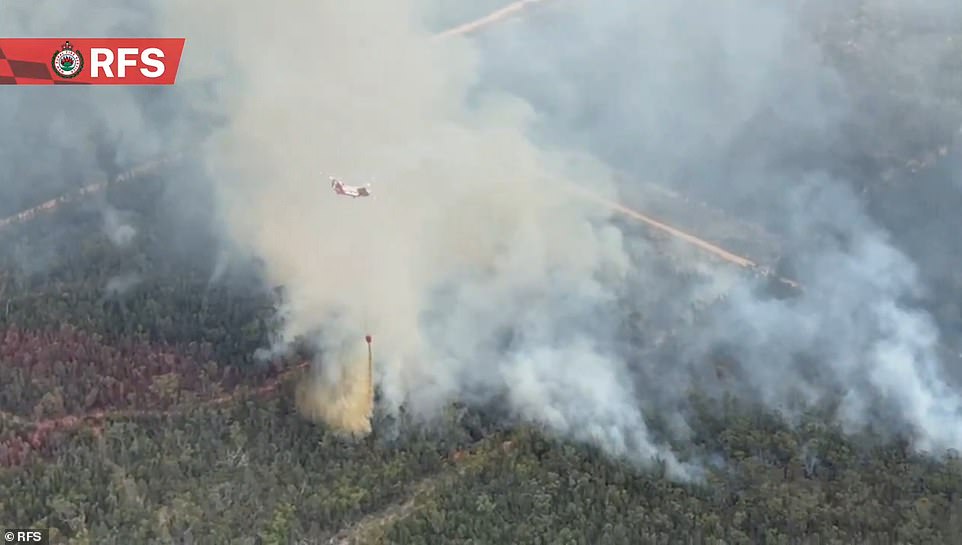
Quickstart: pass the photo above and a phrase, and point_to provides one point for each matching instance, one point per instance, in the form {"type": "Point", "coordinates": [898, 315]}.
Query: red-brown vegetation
{"type": "Point", "coordinates": [66, 379]}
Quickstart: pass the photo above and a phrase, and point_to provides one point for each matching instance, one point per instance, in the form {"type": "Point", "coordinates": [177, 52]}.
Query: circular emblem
{"type": "Point", "coordinates": [67, 62]}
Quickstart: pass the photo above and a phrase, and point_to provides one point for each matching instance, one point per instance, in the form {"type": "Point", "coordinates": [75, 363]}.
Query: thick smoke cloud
{"type": "Point", "coordinates": [477, 273]}
{"type": "Point", "coordinates": [752, 106]}
{"type": "Point", "coordinates": [473, 271]}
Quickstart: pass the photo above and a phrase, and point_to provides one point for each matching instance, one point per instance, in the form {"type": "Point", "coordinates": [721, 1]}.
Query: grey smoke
{"type": "Point", "coordinates": [120, 232]}
{"type": "Point", "coordinates": [118, 285]}
{"type": "Point", "coordinates": [739, 104]}
{"type": "Point", "coordinates": [476, 272]}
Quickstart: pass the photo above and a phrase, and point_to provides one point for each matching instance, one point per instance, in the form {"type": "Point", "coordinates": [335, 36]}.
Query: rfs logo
{"type": "Point", "coordinates": [67, 62]}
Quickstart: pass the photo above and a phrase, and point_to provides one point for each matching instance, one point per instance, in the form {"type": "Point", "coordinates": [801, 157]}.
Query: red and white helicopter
{"type": "Point", "coordinates": [352, 191]}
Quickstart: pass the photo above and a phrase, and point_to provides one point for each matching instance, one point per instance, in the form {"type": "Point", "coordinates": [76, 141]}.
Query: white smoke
{"type": "Point", "coordinates": [855, 317]}
{"type": "Point", "coordinates": [471, 237]}
{"type": "Point", "coordinates": [476, 272]}
{"type": "Point", "coordinates": [120, 284]}
{"type": "Point", "coordinates": [738, 103]}
{"type": "Point", "coordinates": [120, 232]}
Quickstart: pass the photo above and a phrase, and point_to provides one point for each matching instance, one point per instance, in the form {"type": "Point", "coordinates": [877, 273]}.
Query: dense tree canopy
{"type": "Point", "coordinates": [133, 410]}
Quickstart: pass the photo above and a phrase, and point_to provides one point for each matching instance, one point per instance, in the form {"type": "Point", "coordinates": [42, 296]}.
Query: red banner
{"type": "Point", "coordinates": [90, 61]}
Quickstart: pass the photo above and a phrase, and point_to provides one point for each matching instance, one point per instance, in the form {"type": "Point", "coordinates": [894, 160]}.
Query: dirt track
{"type": "Point", "coordinates": [375, 522]}
{"type": "Point", "coordinates": [493, 18]}
{"type": "Point", "coordinates": [37, 431]}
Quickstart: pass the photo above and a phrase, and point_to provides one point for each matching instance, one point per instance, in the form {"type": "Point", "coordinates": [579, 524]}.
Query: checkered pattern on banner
{"type": "Point", "coordinates": [14, 72]}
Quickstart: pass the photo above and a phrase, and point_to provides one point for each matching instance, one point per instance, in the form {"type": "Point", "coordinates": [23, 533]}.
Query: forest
{"type": "Point", "coordinates": [145, 419]}
{"type": "Point", "coordinates": [135, 409]}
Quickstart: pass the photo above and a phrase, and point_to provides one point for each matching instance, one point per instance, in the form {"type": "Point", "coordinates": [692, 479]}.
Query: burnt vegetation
{"type": "Point", "coordinates": [133, 411]}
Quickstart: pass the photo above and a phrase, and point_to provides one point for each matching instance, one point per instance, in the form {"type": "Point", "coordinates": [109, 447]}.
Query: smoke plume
{"type": "Point", "coordinates": [797, 119]}
{"type": "Point", "coordinates": [120, 284]}
{"type": "Point", "coordinates": [472, 270]}
{"type": "Point", "coordinates": [120, 232]}
{"type": "Point", "coordinates": [478, 273]}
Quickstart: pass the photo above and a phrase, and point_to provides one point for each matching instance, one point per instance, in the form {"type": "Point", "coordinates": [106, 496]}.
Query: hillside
{"type": "Point", "coordinates": [137, 405]}
{"type": "Point", "coordinates": [124, 424]}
